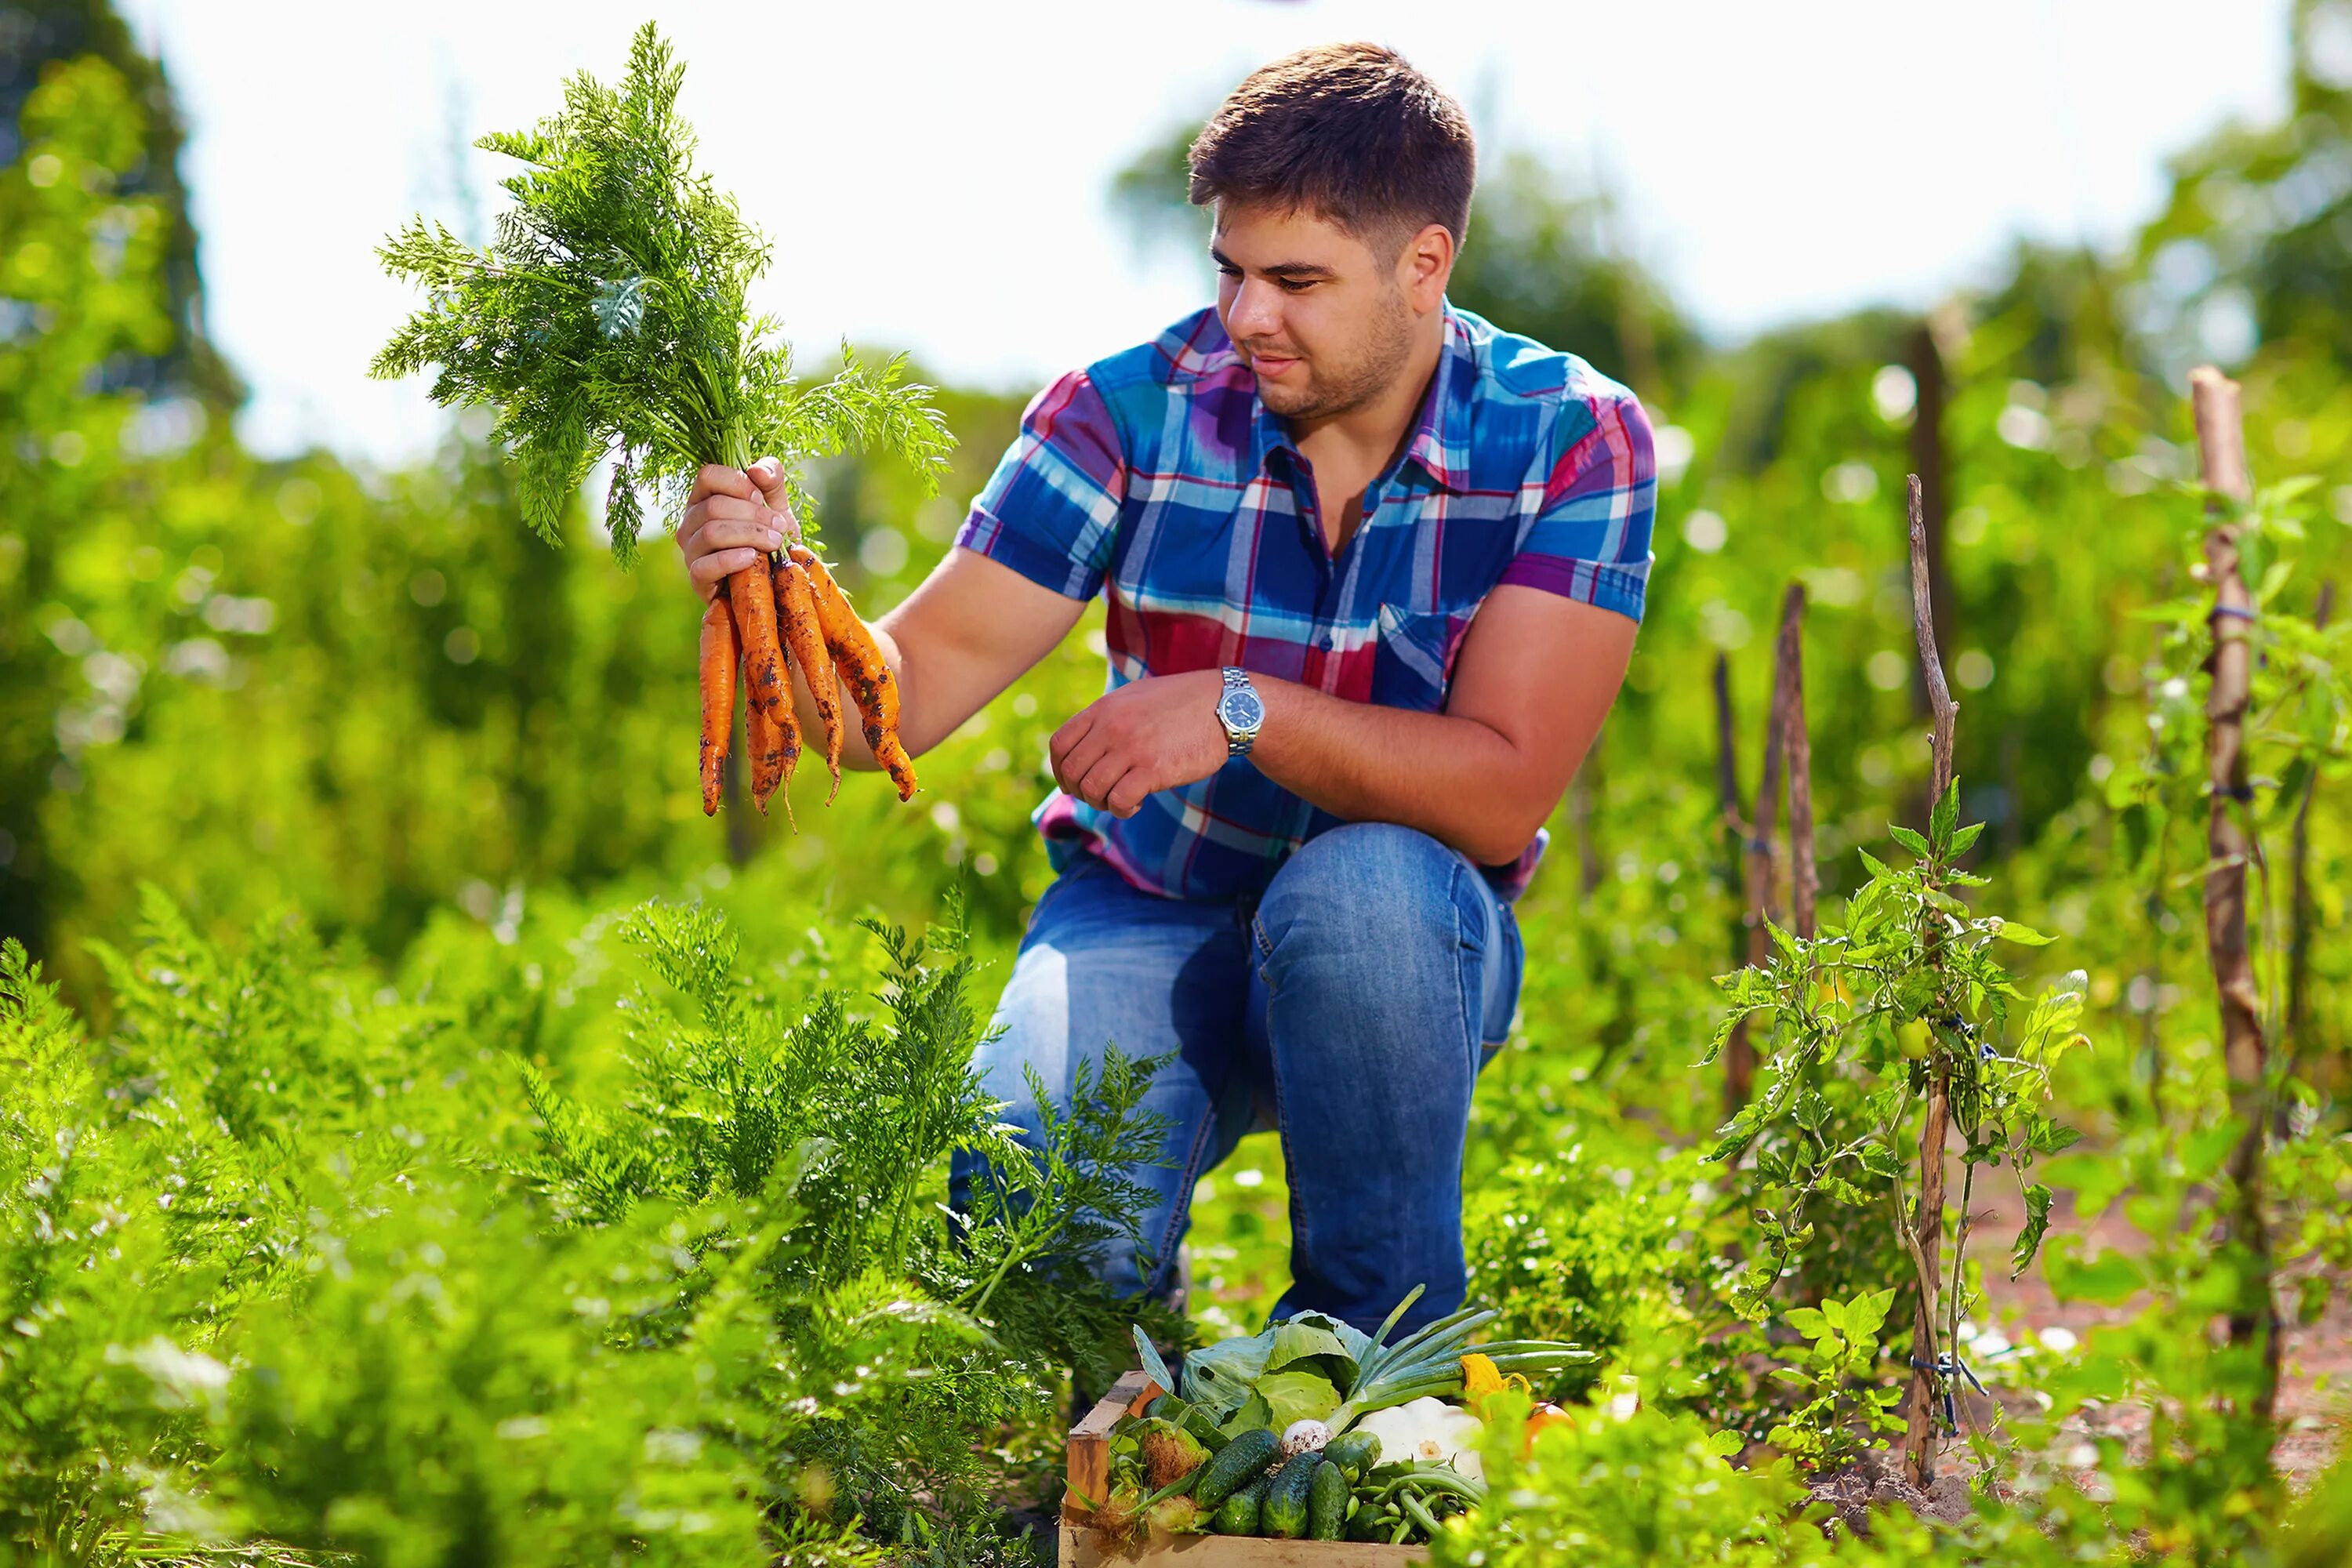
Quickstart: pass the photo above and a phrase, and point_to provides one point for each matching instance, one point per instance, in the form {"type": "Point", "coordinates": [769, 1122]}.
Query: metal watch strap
{"type": "Point", "coordinates": [1237, 741]}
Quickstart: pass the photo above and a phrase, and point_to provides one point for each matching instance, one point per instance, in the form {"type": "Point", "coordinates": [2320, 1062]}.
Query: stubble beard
{"type": "Point", "coordinates": [1345, 388]}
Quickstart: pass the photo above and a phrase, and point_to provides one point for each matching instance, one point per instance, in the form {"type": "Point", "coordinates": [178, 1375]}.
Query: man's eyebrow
{"type": "Point", "coordinates": [1279, 270]}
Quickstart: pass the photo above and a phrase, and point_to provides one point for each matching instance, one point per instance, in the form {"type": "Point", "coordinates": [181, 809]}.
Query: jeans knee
{"type": "Point", "coordinates": [1375, 886]}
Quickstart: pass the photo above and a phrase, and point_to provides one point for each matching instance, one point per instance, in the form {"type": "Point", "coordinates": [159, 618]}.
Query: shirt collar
{"type": "Point", "coordinates": [1431, 444]}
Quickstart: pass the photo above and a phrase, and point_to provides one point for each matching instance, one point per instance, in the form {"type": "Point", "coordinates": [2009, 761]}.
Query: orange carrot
{"type": "Point", "coordinates": [773, 740]}
{"type": "Point", "coordinates": [859, 661]}
{"type": "Point", "coordinates": [797, 615]}
{"type": "Point", "coordinates": [766, 683]}
{"type": "Point", "coordinates": [717, 672]}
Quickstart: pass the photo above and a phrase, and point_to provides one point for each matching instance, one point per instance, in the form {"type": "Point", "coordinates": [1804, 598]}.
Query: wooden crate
{"type": "Point", "coordinates": [1089, 1473]}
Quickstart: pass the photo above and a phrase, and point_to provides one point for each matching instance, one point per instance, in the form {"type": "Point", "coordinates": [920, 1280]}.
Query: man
{"type": "Point", "coordinates": [1373, 572]}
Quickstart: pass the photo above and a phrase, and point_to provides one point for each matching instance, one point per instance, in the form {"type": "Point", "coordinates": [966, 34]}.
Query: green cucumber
{"type": "Point", "coordinates": [1355, 1453]}
{"type": "Point", "coordinates": [1283, 1515]}
{"type": "Point", "coordinates": [1327, 1502]}
{"type": "Point", "coordinates": [1234, 1466]}
{"type": "Point", "coordinates": [1237, 1515]}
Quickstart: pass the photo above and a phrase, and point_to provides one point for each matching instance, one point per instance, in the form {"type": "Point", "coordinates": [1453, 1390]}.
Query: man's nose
{"type": "Point", "coordinates": [1256, 310]}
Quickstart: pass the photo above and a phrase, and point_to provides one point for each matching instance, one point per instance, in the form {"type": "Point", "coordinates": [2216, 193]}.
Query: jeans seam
{"type": "Point", "coordinates": [1473, 1011]}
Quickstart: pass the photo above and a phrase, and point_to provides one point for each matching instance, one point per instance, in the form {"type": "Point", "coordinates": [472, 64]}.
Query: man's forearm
{"type": "Point", "coordinates": [1460, 780]}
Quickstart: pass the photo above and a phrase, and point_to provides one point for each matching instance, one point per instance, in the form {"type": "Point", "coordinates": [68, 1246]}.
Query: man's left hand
{"type": "Point", "coordinates": [1158, 733]}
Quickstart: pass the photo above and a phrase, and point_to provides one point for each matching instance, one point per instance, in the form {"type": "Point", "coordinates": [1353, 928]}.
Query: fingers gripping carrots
{"type": "Point", "coordinates": [797, 615]}
{"type": "Point", "coordinates": [859, 662]}
{"type": "Point", "coordinates": [718, 654]}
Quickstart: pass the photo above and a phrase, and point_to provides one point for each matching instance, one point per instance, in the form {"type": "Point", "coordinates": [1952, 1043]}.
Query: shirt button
{"type": "Point", "coordinates": [1324, 642]}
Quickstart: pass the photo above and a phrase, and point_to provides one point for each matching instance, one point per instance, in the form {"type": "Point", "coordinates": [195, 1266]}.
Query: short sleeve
{"type": "Point", "coordinates": [1051, 509]}
{"type": "Point", "coordinates": [1591, 538]}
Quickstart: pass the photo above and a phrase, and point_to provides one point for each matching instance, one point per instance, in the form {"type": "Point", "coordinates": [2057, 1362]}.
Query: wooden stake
{"type": "Point", "coordinates": [1739, 1052]}
{"type": "Point", "coordinates": [1927, 367]}
{"type": "Point", "coordinates": [1762, 895]}
{"type": "Point", "coordinates": [2299, 1045]}
{"type": "Point", "coordinates": [1928, 1219]}
{"type": "Point", "coordinates": [2221, 451]}
{"type": "Point", "coordinates": [1797, 752]}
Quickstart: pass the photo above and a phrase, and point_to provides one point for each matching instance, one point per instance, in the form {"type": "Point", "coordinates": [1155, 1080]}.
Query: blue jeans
{"type": "Point", "coordinates": [1351, 1009]}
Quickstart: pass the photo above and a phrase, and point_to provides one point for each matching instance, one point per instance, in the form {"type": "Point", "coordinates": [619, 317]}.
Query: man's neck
{"type": "Point", "coordinates": [1365, 438]}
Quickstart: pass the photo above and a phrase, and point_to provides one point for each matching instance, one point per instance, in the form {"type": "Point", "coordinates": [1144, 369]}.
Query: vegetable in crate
{"type": "Point", "coordinates": [1238, 1514]}
{"type": "Point", "coordinates": [1283, 1514]}
{"type": "Point", "coordinates": [608, 319]}
{"type": "Point", "coordinates": [1234, 1466]}
{"type": "Point", "coordinates": [1327, 1503]}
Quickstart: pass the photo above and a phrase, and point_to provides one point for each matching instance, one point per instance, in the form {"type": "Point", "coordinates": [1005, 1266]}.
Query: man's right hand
{"type": "Point", "coordinates": [967, 631]}
{"type": "Point", "coordinates": [729, 526]}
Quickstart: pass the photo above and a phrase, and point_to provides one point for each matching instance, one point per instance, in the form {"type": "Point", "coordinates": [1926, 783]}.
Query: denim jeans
{"type": "Point", "coordinates": [1351, 1010]}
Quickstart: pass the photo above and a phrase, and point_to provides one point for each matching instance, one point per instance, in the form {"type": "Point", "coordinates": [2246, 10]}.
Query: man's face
{"type": "Point", "coordinates": [1324, 322]}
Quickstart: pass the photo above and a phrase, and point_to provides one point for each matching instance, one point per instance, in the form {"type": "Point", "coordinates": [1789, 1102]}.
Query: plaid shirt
{"type": "Point", "coordinates": [1158, 475]}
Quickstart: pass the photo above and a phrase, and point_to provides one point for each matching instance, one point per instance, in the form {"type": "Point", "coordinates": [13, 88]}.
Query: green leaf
{"type": "Point", "coordinates": [1218, 1376]}
{"type": "Point", "coordinates": [2037, 1225]}
{"type": "Point", "coordinates": [1946, 816]}
{"type": "Point", "coordinates": [2025, 936]}
{"type": "Point", "coordinates": [1966, 836]}
{"type": "Point", "coordinates": [1909, 838]}
{"type": "Point", "coordinates": [1252, 1414]}
{"type": "Point", "coordinates": [1297, 1395]}
{"type": "Point", "coordinates": [1150, 1361]}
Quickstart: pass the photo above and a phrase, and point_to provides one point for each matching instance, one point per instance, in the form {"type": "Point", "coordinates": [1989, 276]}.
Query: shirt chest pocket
{"type": "Point", "coordinates": [1414, 654]}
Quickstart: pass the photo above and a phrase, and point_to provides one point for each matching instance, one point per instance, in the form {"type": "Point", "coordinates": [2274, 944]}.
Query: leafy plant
{"type": "Point", "coordinates": [610, 313]}
{"type": "Point", "coordinates": [1834, 1376]}
{"type": "Point", "coordinates": [739, 1095]}
{"type": "Point", "coordinates": [1853, 1024]}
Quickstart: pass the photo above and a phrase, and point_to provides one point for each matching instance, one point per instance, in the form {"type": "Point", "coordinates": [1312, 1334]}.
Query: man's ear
{"type": "Point", "coordinates": [1426, 265]}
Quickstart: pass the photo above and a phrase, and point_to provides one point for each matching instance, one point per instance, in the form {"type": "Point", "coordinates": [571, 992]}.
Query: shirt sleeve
{"type": "Point", "coordinates": [1051, 509]}
{"type": "Point", "coordinates": [1590, 539]}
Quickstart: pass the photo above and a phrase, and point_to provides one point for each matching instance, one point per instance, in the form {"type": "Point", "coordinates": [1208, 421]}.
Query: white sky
{"type": "Point", "coordinates": [934, 171]}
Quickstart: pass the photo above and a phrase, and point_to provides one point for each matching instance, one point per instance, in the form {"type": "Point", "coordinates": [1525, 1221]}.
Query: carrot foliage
{"type": "Point", "coordinates": [608, 317]}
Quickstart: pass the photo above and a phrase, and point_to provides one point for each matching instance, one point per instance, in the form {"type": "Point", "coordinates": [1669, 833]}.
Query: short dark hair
{"type": "Point", "coordinates": [1351, 132]}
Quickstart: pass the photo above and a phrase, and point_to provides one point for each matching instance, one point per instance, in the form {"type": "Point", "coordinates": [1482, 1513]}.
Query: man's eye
{"type": "Point", "coordinates": [1297, 285]}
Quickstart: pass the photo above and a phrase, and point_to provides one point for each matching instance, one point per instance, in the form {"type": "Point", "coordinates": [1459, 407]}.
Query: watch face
{"type": "Point", "coordinates": [1242, 710]}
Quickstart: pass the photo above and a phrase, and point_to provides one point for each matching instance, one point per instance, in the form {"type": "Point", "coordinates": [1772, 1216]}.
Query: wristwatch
{"type": "Point", "coordinates": [1240, 711]}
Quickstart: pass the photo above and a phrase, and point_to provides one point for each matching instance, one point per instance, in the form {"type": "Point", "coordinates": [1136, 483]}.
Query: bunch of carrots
{"type": "Point", "coordinates": [609, 318]}
{"type": "Point", "coordinates": [768, 619]}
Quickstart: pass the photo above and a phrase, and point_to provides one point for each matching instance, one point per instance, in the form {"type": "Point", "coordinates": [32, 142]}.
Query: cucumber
{"type": "Point", "coordinates": [1327, 1502]}
{"type": "Point", "coordinates": [1355, 1453]}
{"type": "Point", "coordinates": [1283, 1514]}
{"type": "Point", "coordinates": [1234, 1466]}
{"type": "Point", "coordinates": [1237, 1515]}
{"type": "Point", "coordinates": [1369, 1523]}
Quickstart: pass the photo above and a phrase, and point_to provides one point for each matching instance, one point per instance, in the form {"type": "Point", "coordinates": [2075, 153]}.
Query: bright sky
{"type": "Point", "coordinates": [934, 171]}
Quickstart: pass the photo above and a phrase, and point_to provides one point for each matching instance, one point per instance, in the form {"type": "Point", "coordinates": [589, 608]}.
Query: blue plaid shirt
{"type": "Point", "coordinates": [1157, 476]}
